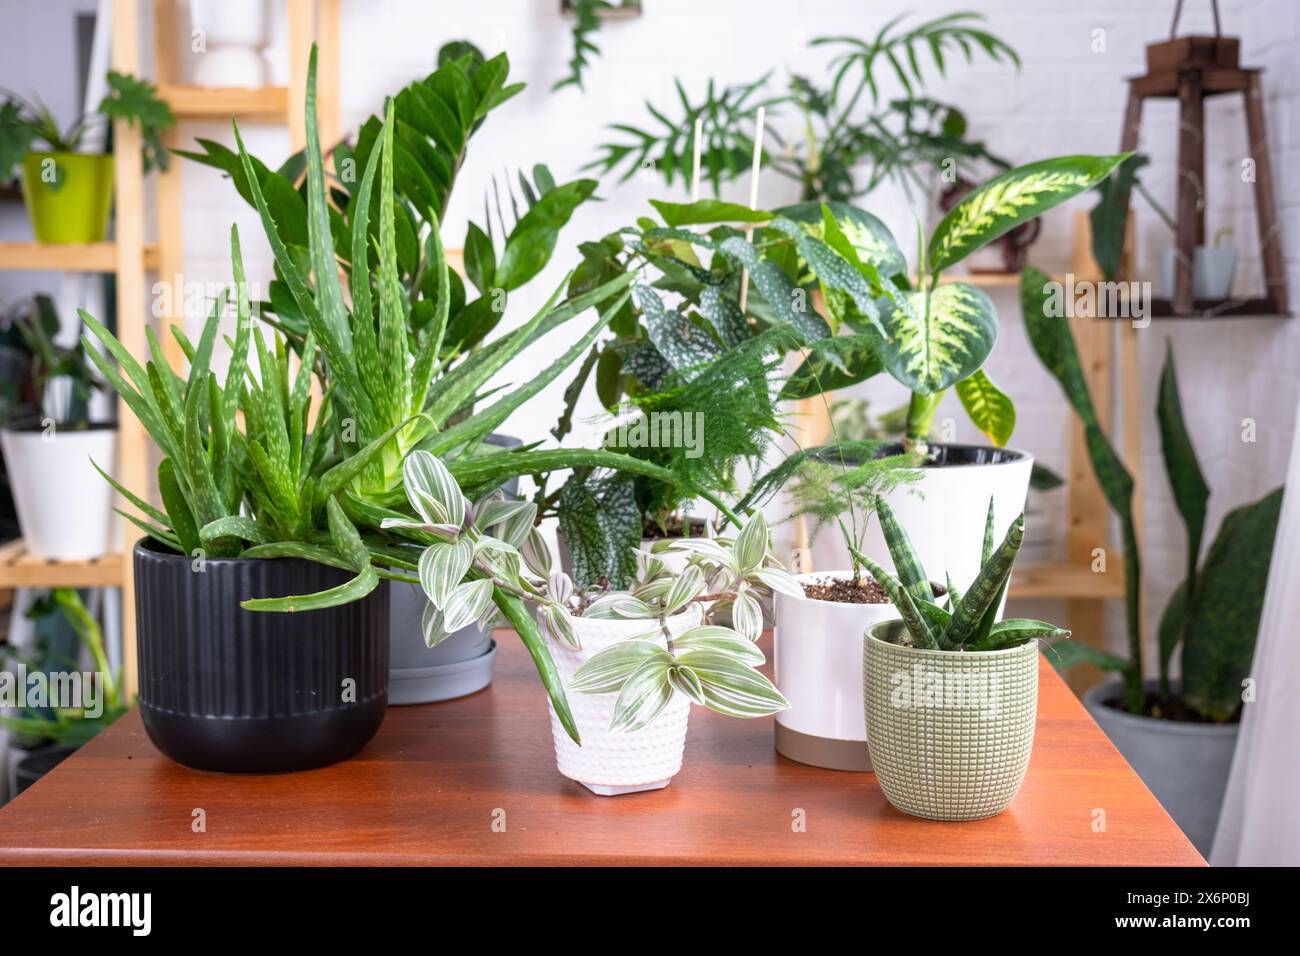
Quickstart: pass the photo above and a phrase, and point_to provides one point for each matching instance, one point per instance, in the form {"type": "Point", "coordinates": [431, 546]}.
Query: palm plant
{"type": "Point", "coordinates": [962, 622]}
{"type": "Point", "coordinates": [833, 137]}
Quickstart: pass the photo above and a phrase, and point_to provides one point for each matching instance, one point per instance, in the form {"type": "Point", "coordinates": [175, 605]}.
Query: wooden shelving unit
{"type": "Point", "coordinates": [223, 102]}
{"type": "Point", "coordinates": [19, 568]}
{"type": "Point", "coordinates": [67, 257]}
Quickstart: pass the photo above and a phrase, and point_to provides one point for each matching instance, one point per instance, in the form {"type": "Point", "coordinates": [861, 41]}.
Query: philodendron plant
{"type": "Point", "coordinates": [961, 622]}
{"type": "Point", "coordinates": [488, 555]}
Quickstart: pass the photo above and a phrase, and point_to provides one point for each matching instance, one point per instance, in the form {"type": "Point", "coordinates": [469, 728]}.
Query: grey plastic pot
{"type": "Point", "coordinates": [459, 665]}
{"type": "Point", "coordinates": [1186, 765]}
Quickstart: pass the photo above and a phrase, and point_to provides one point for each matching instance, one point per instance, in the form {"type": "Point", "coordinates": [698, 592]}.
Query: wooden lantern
{"type": "Point", "coordinates": [1190, 69]}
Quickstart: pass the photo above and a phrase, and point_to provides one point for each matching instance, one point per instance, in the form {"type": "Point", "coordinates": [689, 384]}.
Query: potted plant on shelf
{"type": "Point", "coordinates": [951, 693]}
{"type": "Point", "coordinates": [1179, 735]}
{"type": "Point", "coordinates": [69, 193]}
{"type": "Point", "coordinates": [49, 440]}
{"type": "Point", "coordinates": [652, 645]}
{"type": "Point", "coordinates": [66, 726]}
{"type": "Point", "coordinates": [440, 114]}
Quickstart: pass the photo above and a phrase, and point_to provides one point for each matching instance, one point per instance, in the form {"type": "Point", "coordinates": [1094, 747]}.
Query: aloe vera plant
{"type": "Point", "coordinates": [1214, 613]}
{"type": "Point", "coordinates": [960, 622]}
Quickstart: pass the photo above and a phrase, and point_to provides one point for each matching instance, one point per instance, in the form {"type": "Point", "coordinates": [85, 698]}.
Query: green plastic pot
{"type": "Point", "coordinates": [68, 195]}
{"type": "Point", "coordinates": [949, 732]}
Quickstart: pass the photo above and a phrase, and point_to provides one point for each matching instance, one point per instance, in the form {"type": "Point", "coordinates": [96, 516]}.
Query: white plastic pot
{"type": "Point", "coordinates": [608, 763]}
{"type": "Point", "coordinates": [817, 649]}
{"type": "Point", "coordinates": [233, 32]}
{"type": "Point", "coordinates": [944, 512]}
{"type": "Point", "coordinates": [1213, 269]}
{"type": "Point", "coordinates": [65, 507]}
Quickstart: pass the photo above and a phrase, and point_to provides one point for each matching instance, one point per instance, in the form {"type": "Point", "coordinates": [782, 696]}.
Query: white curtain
{"type": "Point", "coordinates": [1260, 822]}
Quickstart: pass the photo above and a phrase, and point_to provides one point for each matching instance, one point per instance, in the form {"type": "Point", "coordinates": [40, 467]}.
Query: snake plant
{"type": "Point", "coordinates": [1214, 613]}
{"type": "Point", "coordinates": [961, 622]}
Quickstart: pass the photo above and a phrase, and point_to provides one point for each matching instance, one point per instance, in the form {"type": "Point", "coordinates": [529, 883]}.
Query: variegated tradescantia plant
{"type": "Point", "coordinates": [962, 622]}
{"type": "Point", "coordinates": [488, 555]}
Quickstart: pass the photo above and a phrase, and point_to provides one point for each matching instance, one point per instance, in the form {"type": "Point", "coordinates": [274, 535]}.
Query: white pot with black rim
{"type": "Point", "coordinates": [945, 510]}
{"type": "Point", "coordinates": [817, 652]}
{"type": "Point", "coordinates": [460, 664]}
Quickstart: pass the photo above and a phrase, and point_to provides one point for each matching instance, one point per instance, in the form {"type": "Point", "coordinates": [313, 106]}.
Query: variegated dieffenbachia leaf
{"type": "Point", "coordinates": [870, 238]}
{"type": "Point", "coordinates": [936, 339]}
{"type": "Point", "coordinates": [1011, 198]}
{"type": "Point", "coordinates": [990, 408]}
{"type": "Point", "coordinates": [677, 339]}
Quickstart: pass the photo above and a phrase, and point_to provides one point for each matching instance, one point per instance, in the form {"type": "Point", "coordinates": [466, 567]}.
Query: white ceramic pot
{"type": "Point", "coordinates": [944, 512]}
{"type": "Point", "coordinates": [233, 32]}
{"type": "Point", "coordinates": [1213, 269]}
{"type": "Point", "coordinates": [65, 508]}
{"type": "Point", "coordinates": [817, 650]}
{"type": "Point", "coordinates": [608, 763]}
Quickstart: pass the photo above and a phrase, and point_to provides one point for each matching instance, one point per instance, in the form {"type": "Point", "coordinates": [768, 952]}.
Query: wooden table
{"type": "Point", "coordinates": [440, 781]}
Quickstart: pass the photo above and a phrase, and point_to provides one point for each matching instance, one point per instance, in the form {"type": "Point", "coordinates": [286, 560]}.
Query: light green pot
{"type": "Point", "coordinates": [949, 732]}
{"type": "Point", "coordinates": [68, 195]}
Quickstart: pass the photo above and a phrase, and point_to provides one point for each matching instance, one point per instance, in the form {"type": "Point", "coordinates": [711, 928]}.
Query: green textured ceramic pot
{"type": "Point", "coordinates": [68, 195]}
{"type": "Point", "coordinates": [949, 732]}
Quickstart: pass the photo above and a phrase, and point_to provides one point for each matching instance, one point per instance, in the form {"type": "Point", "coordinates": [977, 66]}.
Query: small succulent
{"type": "Point", "coordinates": [963, 622]}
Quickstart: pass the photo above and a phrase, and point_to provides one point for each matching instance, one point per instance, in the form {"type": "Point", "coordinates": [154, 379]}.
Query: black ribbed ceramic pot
{"type": "Point", "coordinates": [238, 691]}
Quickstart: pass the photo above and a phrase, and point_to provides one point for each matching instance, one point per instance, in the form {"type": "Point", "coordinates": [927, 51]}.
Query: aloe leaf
{"type": "Point", "coordinates": [422, 371]}
{"type": "Point", "coordinates": [364, 339]}
{"type": "Point", "coordinates": [1009, 199]}
{"type": "Point", "coordinates": [516, 614]}
{"type": "Point", "coordinates": [353, 590]}
{"type": "Point", "coordinates": [393, 370]}
{"type": "Point", "coordinates": [297, 549]}
{"type": "Point", "coordinates": [159, 516]}
{"type": "Point", "coordinates": [987, 587]}
{"type": "Point", "coordinates": [344, 536]}
{"type": "Point", "coordinates": [151, 530]}
{"type": "Point", "coordinates": [349, 468]}
{"type": "Point", "coordinates": [179, 516]}
{"type": "Point", "coordinates": [234, 526]}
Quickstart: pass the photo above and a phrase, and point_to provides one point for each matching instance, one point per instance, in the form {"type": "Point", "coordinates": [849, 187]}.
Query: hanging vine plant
{"type": "Point", "coordinates": [588, 15]}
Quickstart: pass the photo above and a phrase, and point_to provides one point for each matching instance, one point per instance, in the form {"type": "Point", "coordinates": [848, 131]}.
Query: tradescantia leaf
{"type": "Point", "coordinates": [751, 544]}
{"type": "Point", "coordinates": [687, 682]}
{"type": "Point", "coordinates": [432, 491]}
{"type": "Point", "coordinates": [747, 614]}
{"type": "Point", "coordinates": [725, 640]}
{"type": "Point", "coordinates": [608, 670]}
{"type": "Point", "coordinates": [466, 603]}
{"type": "Point", "coordinates": [779, 580]}
{"type": "Point", "coordinates": [988, 406]}
{"type": "Point", "coordinates": [431, 626]}
{"type": "Point", "coordinates": [443, 566]}
{"type": "Point", "coordinates": [559, 624]}
{"type": "Point", "coordinates": [619, 607]}
{"type": "Point", "coordinates": [1011, 198]}
{"type": "Point", "coordinates": [731, 687]}
{"type": "Point", "coordinates": [644, 695]}
{"type": "Point", "coordinates": [685, 587]}
{"type": "Point", "coordinates": [938, 338]}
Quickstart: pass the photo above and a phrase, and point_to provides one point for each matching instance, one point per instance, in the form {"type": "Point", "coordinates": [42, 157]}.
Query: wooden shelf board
{"type": "Point", "coordinates": [19, 568]}
{"type": "Point", "coordinates": [67, 257]}
{"type": "Point", "coordinates": [986, 280]}
{"type": "Point", "coordinates": [1206, 309]}
{"type": "Point", "coordinates": [1066, 581]}
{"type": "Point", "coordinates": [222, 102]}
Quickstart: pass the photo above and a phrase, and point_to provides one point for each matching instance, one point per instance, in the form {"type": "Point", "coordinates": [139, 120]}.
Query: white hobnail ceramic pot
{"type": "Point", "coordinates": [608, 763]}
{"type": "Point", "coordinates": [65, 507]}
{"type": "Point", "coordinates": [944, 512]}
{"type": "Point", "coordinates": [817, 652]}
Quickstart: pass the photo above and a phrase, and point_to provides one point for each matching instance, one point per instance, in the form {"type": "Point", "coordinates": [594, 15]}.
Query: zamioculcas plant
{"type": "Point", "coordinates": [487, 556]}
{"type": "Point", "coordinates": [960, 622]}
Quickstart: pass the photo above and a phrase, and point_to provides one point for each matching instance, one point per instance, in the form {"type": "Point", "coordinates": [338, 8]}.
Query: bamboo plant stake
{"type": "Point", "coordinates": [754, 171]}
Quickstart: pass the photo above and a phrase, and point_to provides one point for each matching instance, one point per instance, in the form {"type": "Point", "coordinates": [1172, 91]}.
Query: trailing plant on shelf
{"type": "Point", "coordinates": [60, 381]}
{"type": "Point", "coordinates": [962, 621]}
{"type": "Point", "coordinates": [1213, 616]}
{"type": "Point", "coordinates": [73, 726]}
{"type": "Point", "coordinates": [24, 123]}
{"type": "Point", "coordinates": [838, 128]}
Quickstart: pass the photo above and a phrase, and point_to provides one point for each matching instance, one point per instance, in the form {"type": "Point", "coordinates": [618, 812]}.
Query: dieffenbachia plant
{"type": "Point", "coordinates": [962, 622]}
{"type": "Point", "coordinates": [487, 557]}
{"type": "Point", "coordinates": [1214, 614]}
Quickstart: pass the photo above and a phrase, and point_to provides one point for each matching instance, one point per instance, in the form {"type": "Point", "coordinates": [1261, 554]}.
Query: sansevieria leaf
{"type": "Point", "coordinates": [990, 408]}
{"type": "Point", "coordinates": [1013, 197]}
{"type": "Point", "coordinates": [938, 338]}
